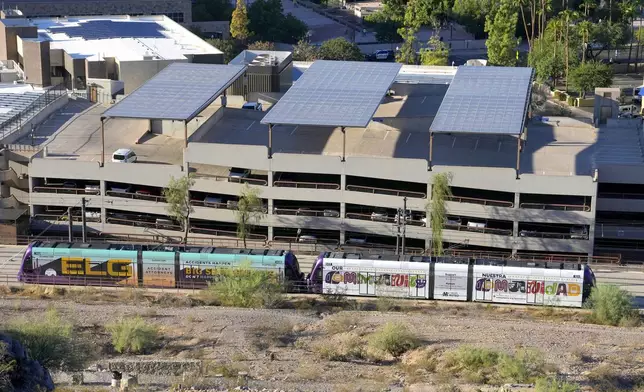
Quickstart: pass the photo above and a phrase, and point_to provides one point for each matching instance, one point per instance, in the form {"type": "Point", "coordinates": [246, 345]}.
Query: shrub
{"type": "Point", "coordinates": [552, 384]}
{"type": "Point", "coordinates": [394, 339]}
{"type": "Point", "coordinates": [267, 334]}
{"type": "Point", "coordinates": [247, 288]}
{"type": "Point", "coordinates": [482, 365]}
{"type": "Point", "coordinates": [340, 322]}
{"type": "Point", "coordinates": [475, 364]}
{"type": "Point", "coordinates": [342, 347]}
{"type": "Point", "coordinates": [51, 342]}
{"type": "Point", "coordinates": [387, 304]}
{"type": "Point", "coordinates": [610, 305]}
{"type": "Point", "coordinates": [133, 335]}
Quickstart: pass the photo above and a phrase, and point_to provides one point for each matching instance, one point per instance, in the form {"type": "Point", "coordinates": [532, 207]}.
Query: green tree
{"type": "Point", "coordinates": [589, 75]}
{"type": "Point", "coordinates": [437, 211]}
{"type": "Point", "coordinates": [407, 52]}
{"type": "Point", "coordinates": [304, 51]}
{"type": "Point", "coordinates": [207, 10]}
{"type": "Point", "coordinates": [268, 23]}
{"type": "Point", "coordinates": [502, 41]}
{"type": "Point", "coordinates": [471, 15]}
{"type": "Point", "coordinates": [249, 211]}
{"type": "Point", "coordinates": [261, 45]}
{"type": "Point", "coordinates": [230, 47]}
{"type": "Point", "coordinates": [177, 196]}
{"type": "Point", "coordinates": [385, 28]}
{"type": "Point", "coordinates": [133, 335]}
{"type": "Point", "coordinates": [239, 22]}
{"type": "Point", "coordinates": [340, 49]}
{"type": "Point", "coordinates": [630, 10]}
{"type": "Point", "coordinates": [436, 53]}
{"type": "Point", "coordinates": [611, 305]}
{"type": "Point", "coordinates": [547, 58]}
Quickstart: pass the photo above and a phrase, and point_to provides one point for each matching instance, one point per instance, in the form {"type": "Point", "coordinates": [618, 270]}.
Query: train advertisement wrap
{"type": "Point", "coordinates": [537, 286]}
{"type": "Point", "coordinates": [158, 269]}
{"type": "Point", "coordinates": [65, 266]}
{"type": "Point", "coordinates": [387, 279]}
{"type": "Point", "coordinates": [205, 267]}
{"type": "Point", "coordinates": [450, 281]}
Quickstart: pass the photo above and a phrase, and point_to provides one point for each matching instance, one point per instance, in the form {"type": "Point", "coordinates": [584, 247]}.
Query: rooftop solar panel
{"type": "Point", "coordinates": [105, 29]}
{"type": "Point", "coordinates": [179, 92]}
{"type": "Point", "coordinates": [485, 100]}
{"type": "Point", "coordinates": [335, 93]}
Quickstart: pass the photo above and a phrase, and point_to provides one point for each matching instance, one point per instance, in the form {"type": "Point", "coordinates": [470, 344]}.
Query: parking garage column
{"type": "Point", "coordinates": [31, 192]}
{"type": "Point", "coordinates": [343, 205]}
{"type": "Point", "coordinates": [103, 187]}
{"type": "Point", "coordinates": [515, 223]}
{"type": "Point", "coordinates": [591, 229]}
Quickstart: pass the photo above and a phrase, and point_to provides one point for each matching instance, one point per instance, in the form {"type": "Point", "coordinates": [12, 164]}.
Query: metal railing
{"type": "Point", "coordinates": [305, 240]}
{"type": "Point", "coordinates": [616, 195]}
{"type": "Point", "coordinates": [385, 191]}
{"type": "Point", "coordinates": [245, 180]}
{"type": "Point", "coordinates": [301, 212]}
{"type": "Point", "coordinates": [310, 185]}
{"type": "Point", "coordinates": [563, 258]}
{"type": "Point", "coordinates": [19, 119]}
{"type": "Point", "coordinates": [57, 189]}
{"type": "Point", "coordinates": [225, 233]}
{"type": "Point", "coordinates": [485, 202]}
{"type": "Point", "coordinates": [134, 195]}
{"type": "Point", "coordinates": [202, 203]}
{"type": "Point", "coordinates": [380, 218]}
{"type": "Point", "coordinates": [540, 234]}
{"type": "Point", "coordinates": [483, 230]}
{"type": "Point", "coordinates": [75, 218]}
{"type": "Point", "coordinates": [556, 207]}
{"type": "Point", "coordinates": [139, 223]}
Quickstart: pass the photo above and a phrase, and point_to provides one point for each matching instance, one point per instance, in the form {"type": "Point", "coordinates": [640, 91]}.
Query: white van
{"type": "Point", "coordinates": [476, 225]}
{"type": "Point", "coordinates": [124, 155]}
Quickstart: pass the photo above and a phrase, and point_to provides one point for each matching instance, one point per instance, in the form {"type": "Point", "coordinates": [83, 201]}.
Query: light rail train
{"type": "Point", "coordinates": [351, 274]}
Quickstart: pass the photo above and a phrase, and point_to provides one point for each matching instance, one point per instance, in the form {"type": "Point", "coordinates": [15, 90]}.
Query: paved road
{"type": "Point", "coordinates": [629, 278]}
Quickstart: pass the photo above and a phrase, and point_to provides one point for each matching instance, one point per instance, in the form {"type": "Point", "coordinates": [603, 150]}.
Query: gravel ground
{"type": "Point", "coordinates": [274, 346]}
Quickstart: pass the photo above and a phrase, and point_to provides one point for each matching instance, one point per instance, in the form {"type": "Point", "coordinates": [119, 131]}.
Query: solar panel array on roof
{"type": "Point", "coordinates": [105, 29]}
{"type": "Point", "coordinates": [335, 93]}
{"type": "Point", "coordinates": [179, 92]}
{"type": "Point", "coordinates": [485, 100]}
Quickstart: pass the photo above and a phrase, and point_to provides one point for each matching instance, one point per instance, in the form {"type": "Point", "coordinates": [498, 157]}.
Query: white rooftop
{"type": "Point", "coordinates": [126, 38]}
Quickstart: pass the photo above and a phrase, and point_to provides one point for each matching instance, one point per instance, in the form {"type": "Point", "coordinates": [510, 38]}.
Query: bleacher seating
{"type": "Point", "coordinates": [17, 103]}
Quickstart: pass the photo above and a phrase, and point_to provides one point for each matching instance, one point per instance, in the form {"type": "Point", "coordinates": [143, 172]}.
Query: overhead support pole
{"type": "Point", "coordinates": [344, 143]}
{"type": "Point", "coordinates": [102, 141]}
{"type": "Point", "coordinates": [431, 149]}
{"type": "Point", "coordinates": [185, 133]}
{"type": "Point", "coordinates": [518, 155]}
{"type": "Point", "coordinates": [270, 141]}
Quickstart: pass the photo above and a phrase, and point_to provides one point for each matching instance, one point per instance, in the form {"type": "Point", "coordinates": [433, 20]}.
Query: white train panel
{"type": "Point", "coordinates": [387, 279]}
{"type": "Point", "coordinates": [450, 281]}
{"type": "Point", "coordinates": [525, 285]}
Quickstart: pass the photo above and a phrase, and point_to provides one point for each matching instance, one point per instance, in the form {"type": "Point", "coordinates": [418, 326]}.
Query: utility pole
{"type": "Point", "coordinates": [404, 224]}
{"type": "Point", "coordinates": [83, 220]}
{"type": "Point", "coordinates": [71, 227]}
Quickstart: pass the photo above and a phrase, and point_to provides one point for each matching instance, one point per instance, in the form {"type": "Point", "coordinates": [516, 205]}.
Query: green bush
{"type": "Point", "coordinates": [51, 342]}
{"type": "Point", "coordinates": [611, 306]}
{"type": "Point", "coordinates": [247, 288]}
{"type": "Point", "coordinates": [394, 339]}
{"type": "Point", "coordinates": [482, 365]}
{"type": "Point", "coordinates": [552, 384]}
{"type": "Point", "coordinates": [133, 335]}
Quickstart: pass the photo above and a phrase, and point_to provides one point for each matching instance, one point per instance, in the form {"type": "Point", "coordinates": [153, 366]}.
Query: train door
{"type": "Point", "coordinates": [367, 283]}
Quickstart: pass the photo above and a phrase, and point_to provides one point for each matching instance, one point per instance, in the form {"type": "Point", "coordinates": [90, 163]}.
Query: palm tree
{"type": "Point", "coordinates": [584, 29]}
{"type": "Point", "coordinates": [587, 5]}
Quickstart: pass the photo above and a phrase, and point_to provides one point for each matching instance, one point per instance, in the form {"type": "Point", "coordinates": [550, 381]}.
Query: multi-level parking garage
{"type": "Point", "coordinates": [534, 191]}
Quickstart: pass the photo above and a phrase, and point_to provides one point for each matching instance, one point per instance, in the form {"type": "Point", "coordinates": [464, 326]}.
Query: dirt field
{"type": "Point", "coordinates": [285, 349]}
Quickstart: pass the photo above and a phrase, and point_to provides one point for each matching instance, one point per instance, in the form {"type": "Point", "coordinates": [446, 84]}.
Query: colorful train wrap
{"type": "Point", "coordinates": [453, 279]}
{"type": "Point", "coordinates": [145, 265]}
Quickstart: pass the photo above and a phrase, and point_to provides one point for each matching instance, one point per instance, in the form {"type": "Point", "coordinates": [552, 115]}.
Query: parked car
{"type": "Point", "coordinates": [253, 106]}
{"type": "Point", "coordinates": [70, 184]}
{"type": "Point", "coordinates": [579, 233]}
{"type": "Point", "coordinates": [383, 55]}
{"type": "Point", "coordinates": [476, 225]}
{"type": "Point", "coordinates": [124, 155]}
{"type": "Point", "coordinates": [380, 215]}
{"type": "Point", "coordinates": [121, 188]}
{"type": "Point", "coordinates": [356, 241]}
{"type": "Point", "coordinates": [453, 222]}
{"type": "Point", "coordinates": [398, 217]}
{"type": "Point", "coordinates": [238, 173]}
{"type": "Point", "coordinates": [307, 238]}
{"type": "Point", "coordinates": [213, 201]}
{"type": "Point", "coordinates": [232, 204]}
{"type": "Point", "coordinates": [92, 189]}
{"type": "Point", "coordinates": [331, 213]}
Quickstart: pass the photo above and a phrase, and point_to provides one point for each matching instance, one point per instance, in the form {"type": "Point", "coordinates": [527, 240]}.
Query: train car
{"type": "Point", "coordinates": [452, 279]}
{"type": "Point", "coordinates": [145, 265]}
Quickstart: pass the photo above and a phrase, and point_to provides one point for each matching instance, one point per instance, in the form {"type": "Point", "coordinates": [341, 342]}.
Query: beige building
{"type": "Point", "coordinates": [177, 10]}
{"type": "Point", "coordinates": [120, 51]}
